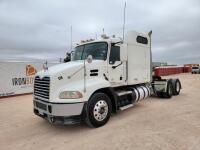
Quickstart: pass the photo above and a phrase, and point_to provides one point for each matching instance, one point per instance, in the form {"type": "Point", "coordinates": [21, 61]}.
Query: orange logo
{"type": "Point", "coordinates": [30, 70]}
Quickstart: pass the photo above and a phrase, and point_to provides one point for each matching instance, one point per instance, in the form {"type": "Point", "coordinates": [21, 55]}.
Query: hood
{"type": "Point", "coordinates": [60, 68]}
{"type": "Point", "coordinates": [67, 68]}
{"type": "Point", "coordinates": [70, 75]}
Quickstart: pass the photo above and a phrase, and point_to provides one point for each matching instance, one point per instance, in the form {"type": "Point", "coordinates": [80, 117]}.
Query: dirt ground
{"type": "Point", "coordinates": [153, 124]}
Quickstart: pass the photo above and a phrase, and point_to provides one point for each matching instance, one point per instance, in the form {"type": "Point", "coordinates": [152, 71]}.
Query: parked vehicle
{"type": "Point", "coordinates": [105, 76]}
{"type": "Point", "coordinates": [195, 70]}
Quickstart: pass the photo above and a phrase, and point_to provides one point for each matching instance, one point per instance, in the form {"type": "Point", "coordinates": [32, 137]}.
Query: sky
{"type": "Point", "coordinates": [40, 29]}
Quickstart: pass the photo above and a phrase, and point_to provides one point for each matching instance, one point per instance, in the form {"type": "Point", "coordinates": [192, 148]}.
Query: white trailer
{"type": "Point", "coordinates": [18, 77]}
{"type": "Point", "coordinates": [104, 77]}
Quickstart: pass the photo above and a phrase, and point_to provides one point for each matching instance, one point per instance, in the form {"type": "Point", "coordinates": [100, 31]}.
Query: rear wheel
{"type": "Point", "coordinates": [176, 87]}
{"type": "Point", "coordinates": [98, 110]}
{"type": "Point", "coordinates": [168, 93]}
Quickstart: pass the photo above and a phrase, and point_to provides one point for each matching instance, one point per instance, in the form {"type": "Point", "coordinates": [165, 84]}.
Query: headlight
{"type": "Point", "coordinates": [70, 95]}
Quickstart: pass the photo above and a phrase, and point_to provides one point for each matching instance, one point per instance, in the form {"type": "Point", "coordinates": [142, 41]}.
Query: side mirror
{"type": "Point", "coordinates": [123, 52]}
{"type": "Point", "coordinates": [72, 55]}
{"type": "Point", "coordinates": [89, 59]}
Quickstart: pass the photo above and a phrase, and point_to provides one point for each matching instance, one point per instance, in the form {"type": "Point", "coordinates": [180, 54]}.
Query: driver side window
{"type": "Point", "coordinates": [114, 54]}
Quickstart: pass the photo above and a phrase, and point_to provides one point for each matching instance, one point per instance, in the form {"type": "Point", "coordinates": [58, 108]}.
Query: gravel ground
{"type": "Point", "coordinates": [153, 124]}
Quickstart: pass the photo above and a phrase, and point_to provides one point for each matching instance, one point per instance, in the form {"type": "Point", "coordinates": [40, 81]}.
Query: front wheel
{"type": "Point", "coordinates": [98, 110]}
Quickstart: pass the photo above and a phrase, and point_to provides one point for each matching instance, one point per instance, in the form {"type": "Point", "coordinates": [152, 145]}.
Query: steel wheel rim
{"type": "Point", "coordinates": [100, 110]}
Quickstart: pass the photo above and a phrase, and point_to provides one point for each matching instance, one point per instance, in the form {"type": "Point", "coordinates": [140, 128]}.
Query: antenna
{"type": "Point", "coordinates": [71, 37]}
{"type": "Point", "coordinates": [124, 19]}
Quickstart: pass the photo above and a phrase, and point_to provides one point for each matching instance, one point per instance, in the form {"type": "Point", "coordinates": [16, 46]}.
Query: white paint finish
{"type": "Point", "coordinates": [139, 60]}
{"type": "Point", "coordinates": [137, 56]}
{"type": "Point", "coordinates": [62, 109]}
{"type": "Point", "coordinates": [123, 52]}
{"type": "Point", "coordinates": [92, 85]}
{"type": "Point", "coordinates": [116, 73]}
{"type": "Point", "coordinates": [61, 68]}
{"type": "Point", "coordinates": [75, 83]}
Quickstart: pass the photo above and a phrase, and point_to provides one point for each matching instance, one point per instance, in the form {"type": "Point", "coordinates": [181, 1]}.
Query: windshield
{"type": "Point", "coordinates": [98, 51]}
{"type": "Point", "coordinates": [195, 67]}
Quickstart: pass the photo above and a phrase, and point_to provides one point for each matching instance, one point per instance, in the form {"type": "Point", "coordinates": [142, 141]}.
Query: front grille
{"type": "Point", "coordinates": [42, 87]}
{"type": "Point", "coordinates": [41, 105]}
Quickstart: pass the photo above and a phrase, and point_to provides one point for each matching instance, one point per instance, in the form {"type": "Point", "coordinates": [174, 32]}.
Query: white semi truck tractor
{"type": "Point", "coordinates": [105, 76]}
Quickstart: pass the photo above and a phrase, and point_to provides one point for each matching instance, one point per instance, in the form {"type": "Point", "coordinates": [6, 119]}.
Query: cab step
{"type": "Point", "coordinates": [121, 93]}
{"type": "Point", "coordinates": [126, 106]}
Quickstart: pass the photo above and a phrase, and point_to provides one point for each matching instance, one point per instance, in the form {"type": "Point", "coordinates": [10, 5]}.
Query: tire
{"type": "Point", "coordinates": [168, 93]}
{"type": "Point", "coordinates": [98, 110]}
{"type": "Point", "coordinates": [176, 86]}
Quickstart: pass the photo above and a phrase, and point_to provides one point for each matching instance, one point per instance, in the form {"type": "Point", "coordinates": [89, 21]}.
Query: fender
{"type": "Point", "coordinates": [92, 85]}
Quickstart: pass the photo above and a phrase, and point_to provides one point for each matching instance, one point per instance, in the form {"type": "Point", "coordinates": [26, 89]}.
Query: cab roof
{"type": "Point", "coordinates": [129, 36]}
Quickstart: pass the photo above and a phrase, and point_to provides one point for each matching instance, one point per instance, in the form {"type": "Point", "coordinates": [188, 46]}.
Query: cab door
{"type": "Point", "coordinates": [116, 68]}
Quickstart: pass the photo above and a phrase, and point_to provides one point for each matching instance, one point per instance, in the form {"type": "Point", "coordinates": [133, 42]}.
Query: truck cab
{"type": "Point", "coordinates": [195, 70]}
{"type": "Point", "coordinates": [105, 76]}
